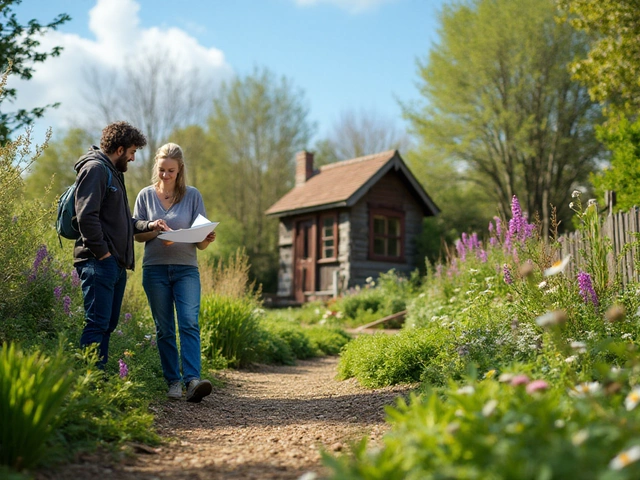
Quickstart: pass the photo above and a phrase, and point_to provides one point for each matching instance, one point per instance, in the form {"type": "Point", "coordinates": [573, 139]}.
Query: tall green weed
{"type": "Point", "coordinates": [32, 391]}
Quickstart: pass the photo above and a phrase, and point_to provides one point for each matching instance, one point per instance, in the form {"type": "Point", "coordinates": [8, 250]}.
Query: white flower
{"type": "Point", "coordinates": [489, 407]}
{"type": "Point", "coordinates": [542, 284]}
{"type": "Point", "coordinates": [466, 390]}
{"type": "Point", "coordinates": [552, 318]}
{"type": "Point", "coordinates": [584, 389]}
{"type": "Point", "coordinates": [579, 437]}
{"type": "Point", "coordinates": [576, 194]}
{"type": "Point", "coordinates": [632, 399]}
{"type": "Point", "coordinates": [558, 266]}
{"type": "Point", "coordinates": [580, 347]}
{"type": "Point", "coordinates": [625, 458]}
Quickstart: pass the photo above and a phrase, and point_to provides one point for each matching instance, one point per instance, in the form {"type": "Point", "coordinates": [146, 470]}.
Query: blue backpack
{"type": "Point", "coordinates": [66, 222]}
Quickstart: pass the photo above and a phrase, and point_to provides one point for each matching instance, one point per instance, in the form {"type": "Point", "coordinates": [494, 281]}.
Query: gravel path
{"type": "Point", "coordinates": [265, 423]}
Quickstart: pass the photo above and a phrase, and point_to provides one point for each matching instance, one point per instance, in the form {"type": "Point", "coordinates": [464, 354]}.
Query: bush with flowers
{"type": "Point", "coordinates": [557, 357]}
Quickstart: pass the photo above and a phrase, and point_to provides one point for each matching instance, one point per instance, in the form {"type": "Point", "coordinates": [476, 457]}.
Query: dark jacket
{"type": "Point", "coordinates": [104, 217]}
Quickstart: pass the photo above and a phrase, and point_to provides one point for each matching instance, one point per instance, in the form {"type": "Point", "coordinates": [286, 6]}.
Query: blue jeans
{"type": "Point", "coordinates": [176, 288]}
{"type": "Point", "coordinates": [103, 283]}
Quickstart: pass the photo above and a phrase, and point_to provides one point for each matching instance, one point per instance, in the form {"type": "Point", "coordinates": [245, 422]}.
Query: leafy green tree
{"type": "Point", "coordinates": [611, 70]}
{"type": "Point", "coordinates": [19, 48]}
{"type": "Point", "coordinates": [258, 124]}
{"type": "Point", "coordinates": [622, 138]}
{"type": "Point", "coordinates": [54, 168]}
{"type": "Point", "coordinates": [501, 106]}
{"type": "Point", "coordinates": [612, 66]}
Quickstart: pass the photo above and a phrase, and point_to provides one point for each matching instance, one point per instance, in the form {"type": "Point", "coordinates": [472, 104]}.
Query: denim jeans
{"type": "Point", "coordinates": [169, 289]}
{"type": "Point", "coordinates": [103, 283]}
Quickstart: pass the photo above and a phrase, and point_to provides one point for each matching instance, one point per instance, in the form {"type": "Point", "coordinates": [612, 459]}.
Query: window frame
{"type": "Point", "coordinates": [322, 238]}
{"type": "Point", "coordinates": [387, 213]}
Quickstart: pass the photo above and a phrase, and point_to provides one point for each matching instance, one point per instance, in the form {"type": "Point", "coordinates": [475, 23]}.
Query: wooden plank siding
{"type": "Point", "coordinates": [619, 228]}
{"type": "Point", "coordinates": [388, 192]}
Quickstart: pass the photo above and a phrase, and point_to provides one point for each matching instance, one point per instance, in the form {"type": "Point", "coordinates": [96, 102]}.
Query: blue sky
{"type": "Point", "coordinates": [346, 55]}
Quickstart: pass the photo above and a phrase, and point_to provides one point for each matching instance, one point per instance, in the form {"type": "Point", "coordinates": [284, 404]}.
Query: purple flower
{"type": "Point", "coordinates": [124, 370]}
{"type": "Point", "coordinates": [507, 274]}
{"type": "Point", "coordinates": [586, 289]}
{"type": "Point", "coordinates": [57, 292]}
{"type": "Point", "coordinates": [75, 278]}
{"type": "Point", "coordinates": [41, 255]}
{"type": "Point", "coordinates": [66, 304]}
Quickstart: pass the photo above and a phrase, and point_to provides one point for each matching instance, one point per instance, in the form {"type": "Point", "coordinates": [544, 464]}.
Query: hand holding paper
{"type": "Point", "coordinates": [199, 230]}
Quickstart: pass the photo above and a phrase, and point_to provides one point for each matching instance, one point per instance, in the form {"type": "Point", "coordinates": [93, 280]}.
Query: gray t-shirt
{"type": "Point", "coordinates": [179, 215]}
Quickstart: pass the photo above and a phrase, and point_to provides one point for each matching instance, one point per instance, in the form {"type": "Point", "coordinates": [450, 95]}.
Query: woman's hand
{"type": "Point", "coordinates": [207, 241]}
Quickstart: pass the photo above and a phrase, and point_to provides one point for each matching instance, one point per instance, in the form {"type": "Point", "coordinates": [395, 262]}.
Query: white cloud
{"type": "Point", "coordinates": [352, 6]}
{"type": "Point", "coordinates": [118, 40]}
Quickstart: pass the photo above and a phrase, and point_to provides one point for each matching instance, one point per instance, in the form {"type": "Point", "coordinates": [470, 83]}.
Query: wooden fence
{"type": "Point", "coordinates": [620, 229]}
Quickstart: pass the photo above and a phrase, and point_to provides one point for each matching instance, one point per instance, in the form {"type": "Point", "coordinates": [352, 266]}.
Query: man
{"type": "Point", "coordinates": [104, 251]}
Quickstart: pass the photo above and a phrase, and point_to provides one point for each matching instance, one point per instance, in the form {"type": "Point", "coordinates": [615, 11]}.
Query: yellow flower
{"type": "Point", "coordinates": [558, 266]}
{"type": "Point", "coordinates": [625, 458]}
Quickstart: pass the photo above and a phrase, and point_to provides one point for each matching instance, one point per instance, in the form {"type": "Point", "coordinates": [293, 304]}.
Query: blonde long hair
{"type": "Point", "coordinates": [174, 152]}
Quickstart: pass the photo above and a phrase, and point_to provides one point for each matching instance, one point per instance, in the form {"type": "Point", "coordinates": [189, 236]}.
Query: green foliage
{"type": "Point", "coordinates": [622, 138]}
{"type": "Point", "coordinates": [499, 103]}
{"type": "Point", "coordinates": [497, 430]}
{"type": "Point", "coordinates": [19, 52]}
{"type": "Point", "coordinates": [53, 171]}
{"type": "Point", "coordinates": [32, 390]}
{"type": "Point", "coordinates": [611, 67]}
{"type": "Point", "coordinates": [327, 340]}
{"type": "Point", "coordinates": [229, 328]}
{"type": "Point", "coordinates": [257, 125]}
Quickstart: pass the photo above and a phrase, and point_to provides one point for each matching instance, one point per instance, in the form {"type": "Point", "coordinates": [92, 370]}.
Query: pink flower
{"type": "Point", "coordinates": [519, 380]}
{"type": "Point", "coordinates": [537, 385]}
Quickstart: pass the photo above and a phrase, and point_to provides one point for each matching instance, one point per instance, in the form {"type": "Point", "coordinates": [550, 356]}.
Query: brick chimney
{"type": "Point", "coordinates": [304, 167]}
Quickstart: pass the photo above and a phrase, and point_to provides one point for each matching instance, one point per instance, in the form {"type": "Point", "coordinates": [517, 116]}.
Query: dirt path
{"type": "Point", "coordinates": [268, 423]}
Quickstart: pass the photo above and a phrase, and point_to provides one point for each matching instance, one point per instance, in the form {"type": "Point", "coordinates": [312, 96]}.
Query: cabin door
{"type": "Point", "coordinates": [305, 259]}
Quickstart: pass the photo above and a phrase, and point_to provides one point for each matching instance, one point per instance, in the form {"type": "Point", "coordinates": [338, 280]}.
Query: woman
{"type": "Point", "coordinates": [170, 274]}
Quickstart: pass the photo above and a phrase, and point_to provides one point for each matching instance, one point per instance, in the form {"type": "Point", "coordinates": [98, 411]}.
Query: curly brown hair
{"type": "Point", "coordinates": [121, 134]}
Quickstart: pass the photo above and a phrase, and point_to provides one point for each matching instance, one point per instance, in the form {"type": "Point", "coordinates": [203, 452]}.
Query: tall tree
{"type": "Point", "coordinates": [19, 48]}
{"type": "Point", "coordinates": [610, 71]}
{"type": "Point", "coordinates": [156, 95]}
{"type": "Point", "coordinates": [358, 133]}
{"type": "Point", "coordinates": [501, 105]}
{"type": "Point", "coordinates": [258, 124]}
{"type": "Point", "coordinates": [612, 66]}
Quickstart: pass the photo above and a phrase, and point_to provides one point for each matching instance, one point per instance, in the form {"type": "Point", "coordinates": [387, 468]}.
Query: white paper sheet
{"type": "Point", "coordinates": [200, 228]}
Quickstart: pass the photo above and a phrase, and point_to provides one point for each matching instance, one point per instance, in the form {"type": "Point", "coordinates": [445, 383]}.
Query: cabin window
{"type": "Point", "coordinates": [386, 230]}
{"type": "Point", "coordinates": [328, 237]}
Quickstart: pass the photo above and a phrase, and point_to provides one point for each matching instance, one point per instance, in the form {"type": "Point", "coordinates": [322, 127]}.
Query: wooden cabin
{"type": "Point", "coordinates": [345, 222]}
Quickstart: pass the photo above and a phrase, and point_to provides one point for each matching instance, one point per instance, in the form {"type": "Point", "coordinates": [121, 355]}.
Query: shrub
{"type": "Point", "coordinates": [498, 430]}
{"type": "Point", "coordinates": [230, 328]}
{"type": "Point", "coordinates": [32, 390]}
{"type": "Point", "coordinates": [327, 340]}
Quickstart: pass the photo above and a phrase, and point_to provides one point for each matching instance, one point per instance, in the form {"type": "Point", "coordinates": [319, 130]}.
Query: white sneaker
{"type": "Point", "coordinates": [175, 391]}
{"type": "Point", "coordinates": [198, 389]}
